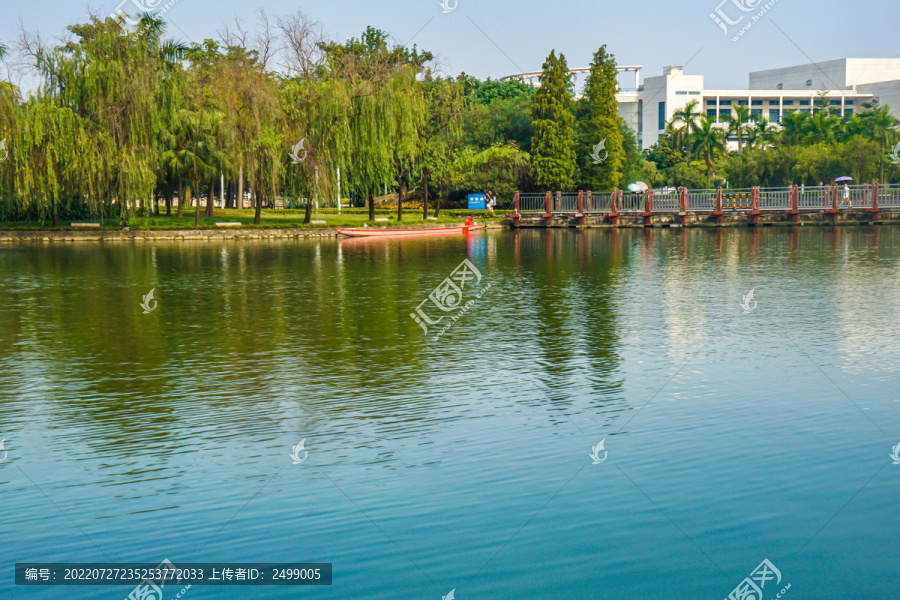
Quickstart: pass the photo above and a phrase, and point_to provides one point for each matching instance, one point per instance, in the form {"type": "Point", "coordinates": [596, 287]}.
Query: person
{"type": "Point", "coordinates": [846, 197]}
{"type": "Point", "coordinates": [489, 200]}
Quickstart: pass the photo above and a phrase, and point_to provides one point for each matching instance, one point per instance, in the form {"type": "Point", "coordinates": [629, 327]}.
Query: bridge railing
{"type": "Point", "coordinates": [808, 198]}
{"type": "Point", "coordinates": [598, 202]}
{"type": "Point", "coordinates": [860, 196]}
{"type": "Point", "coordinates": [630, 202]}
{"type": "Point", "coordinates": [701, 200]}
{"type": "Point", "coordinates": [565, 203]}
{"type": "Point", "coordinates": [776, 198]}
{"type": "Point", "coordinates": [530, 203]}
{"type": "Point", "coordinates": [816, 197]}
{"type": "Point", "coordinates": [737, 199]}
{"type": "Point", "coordinates": [666, 201]}
{"type": "Point", "coordinates": [889, 195]}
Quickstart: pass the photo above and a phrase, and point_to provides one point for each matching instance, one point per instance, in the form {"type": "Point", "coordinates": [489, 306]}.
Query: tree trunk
{"type": "Point", "coordinates": [180, 198]}
{"type": "Point", "coordinates": [255, 190]}
{"type": "Point", "coordinates": [239, 201]}
{"type": "Point", "coordinates": [169, 202]}
{"type": "Point", "coordinates": [196, 191]}
{"type": "Point", "coordinates": [371, 205]}
{"type": "Point", "coordinates": [229, 194]}
{"type": "Point", "coordinates": [437, 201]}
{"type": "Point", "coordinates": [210, 198]}
{"type": "Point", "coordinates": [252, 192]}
{"type": "Point", "coordinates": [400, 195]}
{"type": "Point", "coordinates": [55, 214]}
{"type": "Point", "coordinates": [307, 214]}
{"type": "Point", "coordinates": [156, 203]}
{"type": "Point", "coordinates": [425, 177]}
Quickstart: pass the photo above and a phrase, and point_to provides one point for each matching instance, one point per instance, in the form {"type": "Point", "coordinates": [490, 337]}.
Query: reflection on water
{"type": "Point", "coordinates": [461, 463]}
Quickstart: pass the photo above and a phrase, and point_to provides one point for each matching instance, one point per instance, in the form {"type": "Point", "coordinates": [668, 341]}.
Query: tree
{"type": "Point", "coordinates": [438, 137]}
{"type": "Point", "coordinates": [601, 125]}
{"type": "Point", "coordinates": [761, 133]}
{"type": "Point", "coordinates": [664, 153]}
{"type": "Point", "coordinates": [881, 125]}
{"type": "Point", "coordinates": [553, 157]}
{"type": "Point", "coordinates": [377, 85]}
{"type": "Point", "coordinates": [708, 139]}
{"type": "Point", "coordinates": [738, 125]}
{"type": "Point", "coordinates": [684, 124]}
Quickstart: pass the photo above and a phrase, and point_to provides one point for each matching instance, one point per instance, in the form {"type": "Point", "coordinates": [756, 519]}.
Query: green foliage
{"type": "Point", "coordinates": [503, 121]}
{"type": "Point", "coordinates": [635, 166]}
{"type": "Point", "coordinates": [553, 155]}
{"type": "Point", "coordinates": [502, 169]}
{"type": "Point", "coordinates": [124, 118]}
{"type": "Point", "coordinates": [664, 154]}
{"type": "Point", "coordinates": [490, 91]}
{"type": "Point", "coordinates": [600, 126]}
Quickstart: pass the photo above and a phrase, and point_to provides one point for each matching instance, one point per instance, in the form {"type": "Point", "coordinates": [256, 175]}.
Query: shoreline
{"type": "Point", "coordinates": [119, 235]}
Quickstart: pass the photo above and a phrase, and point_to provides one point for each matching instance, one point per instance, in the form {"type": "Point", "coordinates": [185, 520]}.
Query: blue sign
{"type": "Point", "coordinates": [477, 201]}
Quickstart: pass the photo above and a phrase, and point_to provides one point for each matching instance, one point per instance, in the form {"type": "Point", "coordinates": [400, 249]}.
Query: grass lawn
{"type": "Point", "coordinates": [271, 219]}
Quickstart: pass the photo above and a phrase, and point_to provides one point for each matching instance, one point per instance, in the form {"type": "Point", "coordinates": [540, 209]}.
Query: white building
{"type": "Point", "coordinates": [844, 84]}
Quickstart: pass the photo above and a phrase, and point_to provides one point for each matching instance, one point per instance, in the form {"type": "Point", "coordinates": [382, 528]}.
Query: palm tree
{"type": "Point", "coordinates": [738, 123]}
{"type": "Point", "coordinates": [762, 133]}
{"type": "Point", "coordinates": [793, 127]}
{"type": "Point", "coordinates": [708, 139]}
{"type": "Point", "coordinates": [687, 118]}
{"type": "Point", "coordinates": [880, 123]}
{"type": "Point", "coordinates": [3, 51]}
{"type": "Point", "coordinates": [822, 127]}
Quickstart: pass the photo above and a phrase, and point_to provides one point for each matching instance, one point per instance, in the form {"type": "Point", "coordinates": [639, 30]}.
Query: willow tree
{"type": "Point", "coordinates": [553, 156]}
{"type": "Point", "coordinates": [385, 108]}
{"type": "Point", "coordinates": [53, 148]}
{"type": "Point", "coordinates": [405, 106]}
{"type": "Point", "coordinates": [439, 136]}
{"type": "Point", "coordinates": [9, 108]}
{"type": "Point", "coordinates": [601, 153]}
{"type": "Point", "coordinates": [110, 78]}
{"type": "Point", "coordinates": [247, 98]}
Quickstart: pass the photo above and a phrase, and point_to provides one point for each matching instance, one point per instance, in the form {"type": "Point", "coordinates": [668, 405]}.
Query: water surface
{"type": "Point", "coordinates": [461, 463]}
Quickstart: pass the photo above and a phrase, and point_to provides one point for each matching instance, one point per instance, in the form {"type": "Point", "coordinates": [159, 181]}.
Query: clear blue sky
{"type": "Point", "coordinates": [522, 32]}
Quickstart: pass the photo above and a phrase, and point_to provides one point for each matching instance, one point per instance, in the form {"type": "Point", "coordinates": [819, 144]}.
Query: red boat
{"type": "Point", "coordinates": [372, 232]}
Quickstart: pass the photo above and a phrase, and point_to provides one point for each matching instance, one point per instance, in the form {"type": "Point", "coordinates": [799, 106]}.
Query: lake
{"type": "Point", "coordinates": [734, 429]}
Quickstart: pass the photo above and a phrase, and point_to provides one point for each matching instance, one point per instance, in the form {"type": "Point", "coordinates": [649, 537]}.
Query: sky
{"type": "Point", "coordinates": [494, 38]}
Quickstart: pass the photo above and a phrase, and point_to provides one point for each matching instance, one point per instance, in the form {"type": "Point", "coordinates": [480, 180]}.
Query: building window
{"type": "Point", "coordinates": [804, 103]}
{"type": "Point", "coordinates": [788, 102]}
{"type": "Point", "coordinates": [850, 102]}
{"type": "Point", "coordinates": [640, 120]}
{"type": "Point", "coordinates": [773, 102]}
{"type": "Point", "coordinates": [742, 103]}
{"type": "Point", "coordinates": [725, 115]}
{"type": "Point", "coordinates": [774, 115]}
{"type": "Point", "coordinates": [756, 111]}
{"type": "Point", "coordinates": [725, 103]}
{"type": "Point", "coordinates": [710, 102]}
{"type": "Point", "coordinates": [694, 93]}
{"type": "Point", "coordinates": [848, 111]}
{"type": "Point", "coordinates": [711, 113]}
{"type": "Point", "coordinates": [662, 116]}
{"type": "Point", "coordinates": [681, 93]}
{"type": "Point", "coordinates": [757, 103]}
{"type": "Point", "coordinates": [835, 103]}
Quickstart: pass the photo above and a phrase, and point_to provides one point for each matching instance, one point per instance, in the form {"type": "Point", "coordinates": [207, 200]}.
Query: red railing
{"type": "Point", "coordinates": [792, 200]}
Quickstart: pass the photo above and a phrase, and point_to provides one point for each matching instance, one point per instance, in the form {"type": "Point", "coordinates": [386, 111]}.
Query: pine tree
{"type": "Point", "coordinates": [601, 153]}
{"type": "Point", "coordinates": [553, 154]}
